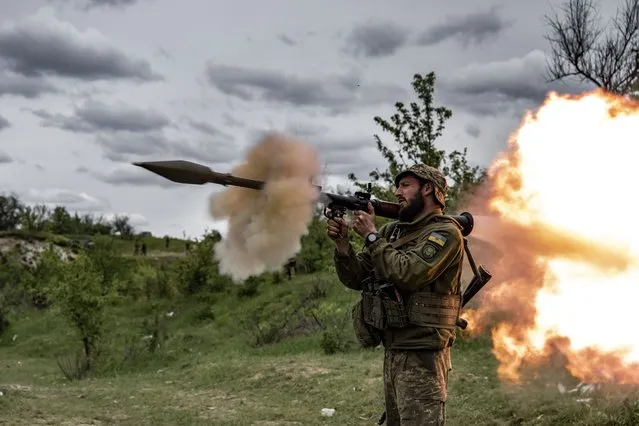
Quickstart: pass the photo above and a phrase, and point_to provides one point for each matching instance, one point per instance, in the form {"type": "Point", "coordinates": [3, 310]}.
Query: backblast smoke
{"type": "Point", "coordinates": [265, 227]}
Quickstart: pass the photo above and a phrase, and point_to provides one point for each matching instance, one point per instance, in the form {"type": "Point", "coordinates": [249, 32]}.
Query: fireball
{"type": "Point", "coordinates": [569, 283]}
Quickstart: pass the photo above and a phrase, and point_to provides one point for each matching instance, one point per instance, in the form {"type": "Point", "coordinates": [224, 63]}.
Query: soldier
{"type": "Point", "coordinates": [409, 275]}
{"type": "Point", "coordinates": [291, 267]}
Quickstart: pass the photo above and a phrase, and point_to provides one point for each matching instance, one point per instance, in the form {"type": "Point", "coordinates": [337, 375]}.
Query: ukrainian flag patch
{"type": "Point", "coordinates": [437, 238]}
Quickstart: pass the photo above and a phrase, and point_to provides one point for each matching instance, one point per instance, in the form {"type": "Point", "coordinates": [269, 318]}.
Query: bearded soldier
{"type": "Point", "coordinates": [409, 276]}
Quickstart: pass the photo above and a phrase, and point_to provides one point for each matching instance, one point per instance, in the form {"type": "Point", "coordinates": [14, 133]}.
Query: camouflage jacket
{"type": "Point", "coordinates": [430, 262]}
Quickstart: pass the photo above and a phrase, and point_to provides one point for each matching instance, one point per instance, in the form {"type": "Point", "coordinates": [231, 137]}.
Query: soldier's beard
{"type": "Point", "coordinates": [410, 211]}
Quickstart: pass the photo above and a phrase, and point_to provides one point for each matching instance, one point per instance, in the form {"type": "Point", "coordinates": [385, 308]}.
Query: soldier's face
{"type": "Point", "coordinates": [407, 190]}
{"type": "Point", "coordinates": [410, 198]}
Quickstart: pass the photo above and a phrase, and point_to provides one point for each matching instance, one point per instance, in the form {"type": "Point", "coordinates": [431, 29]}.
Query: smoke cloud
{"type": "Point", "coordinates": [265, 227]}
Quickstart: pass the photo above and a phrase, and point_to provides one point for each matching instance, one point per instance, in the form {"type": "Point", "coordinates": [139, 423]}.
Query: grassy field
{"type": "Point", "coordinates": [207, 368]}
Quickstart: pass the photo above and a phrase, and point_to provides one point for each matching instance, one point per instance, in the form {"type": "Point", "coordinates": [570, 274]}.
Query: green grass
{"type": "Point", "coordinates": [208, 372]}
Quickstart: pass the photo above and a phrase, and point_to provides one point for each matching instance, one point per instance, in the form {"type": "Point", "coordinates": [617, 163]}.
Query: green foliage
{"type": "Point", "coordinates": [151, 282]}
{"type": "Point", "coordinates": [35, 280]}
{"type": "Point", "coordinates": [108, 262]}
{"type": "Point", "coordinates": [199, 272]}
{"type": "Point", "coordinates": [9, 212]}
{"type": "Point", "coordinates": [336, 326]}
{"type": "Point", "coordinates": [79, 291]}
{"type": "Point", "coordinates": [415, 130]}
{"type": "Point", "coordinates": [316, 254]}
{"type": "Point", "coordinates": [288, 316]}
{"type": "Point", "coordinates": [156, 332]}
{"type": "Point", "coordinates": [249, 288]}
{"type": "Point", "coordinates": [39, 218]}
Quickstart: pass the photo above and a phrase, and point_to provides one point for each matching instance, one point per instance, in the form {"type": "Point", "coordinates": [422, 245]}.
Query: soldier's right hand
{"type": "Point", "coordinates": [337, 229]}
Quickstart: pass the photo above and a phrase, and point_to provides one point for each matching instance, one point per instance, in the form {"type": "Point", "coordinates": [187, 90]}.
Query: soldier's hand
{"type": "Point", "coordinates": [364, 222]}
{"type": "Point", "coordinates": [337, 229]}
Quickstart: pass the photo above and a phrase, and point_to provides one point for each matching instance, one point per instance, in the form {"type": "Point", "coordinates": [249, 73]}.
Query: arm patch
{"type": "Point", "coordinates": [437, 238]}
{"type": "Point", "coordinates": [429, 251]}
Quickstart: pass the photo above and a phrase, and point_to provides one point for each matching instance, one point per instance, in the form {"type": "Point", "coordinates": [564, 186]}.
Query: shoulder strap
{"type": "Point", "coordinates": [405, 239]}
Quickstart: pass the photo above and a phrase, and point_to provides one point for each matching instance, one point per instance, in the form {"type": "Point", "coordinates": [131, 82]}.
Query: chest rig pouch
{"type": "Point", "coordinates": [382, 305]}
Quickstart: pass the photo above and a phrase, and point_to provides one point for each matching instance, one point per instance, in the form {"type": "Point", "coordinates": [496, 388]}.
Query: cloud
{"type": "Point", "coordinates": [127, 146]}
{"type": "Point", "coordinates": [208, 129]}
{"type": "Point", "coordinates": [94, 4]}
{"type": "Point", "coordinates": [94, 116]}
{"type": "Point", "coordinates": [42, 45]}
{"type": "Point", "coordinates": [231, 121]}
{"type": "Point", "coordinates": [123, 146]}
{"type": "Point", "coordinates": [135, 219]}
{"type": "Point", "coordinates": [382, 39]}
{"type": "Point", "coordinates": [128, 174]}
{"type": "Point", "coordinates": [340, 154]}
{"type": "Point", "coordinates": [335, 93]}
{"type": "Point", "coordinates": [491, 87]}
{"type": "Point", "coordinates": [4, 123]}
{"type": "Point", "coordinates": [473, 130]}
{"type": "Point", "coordinates": [26, 87]}
{"type": "Point", "coordinates": [376, 39]}
{"type": "Point", "coordinates": [286, 40]}
{"type": "Point", "coordinates": [472, 28]}
{"type": "Point", "coordinates": [5, 158]}
{"type": "Point", "coordinates": [127, 133]}
{"type": "Point", "coordinates": [72, 200]}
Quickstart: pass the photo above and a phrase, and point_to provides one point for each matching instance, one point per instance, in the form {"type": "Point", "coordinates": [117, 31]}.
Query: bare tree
{"type": "Point", "coordinates": [581, 48]}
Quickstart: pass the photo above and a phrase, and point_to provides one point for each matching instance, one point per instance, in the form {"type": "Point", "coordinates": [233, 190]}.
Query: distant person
{"type": "Point", "coordinates": [143, 249]}
{"type": "Point", "coordinates": [291, 267]}
{"type": "Point", "coordinates": [167, 241]}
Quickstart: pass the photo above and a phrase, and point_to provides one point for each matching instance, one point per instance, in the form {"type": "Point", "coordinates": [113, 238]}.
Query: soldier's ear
{"type": "Point", "coordinates": [427, 188]}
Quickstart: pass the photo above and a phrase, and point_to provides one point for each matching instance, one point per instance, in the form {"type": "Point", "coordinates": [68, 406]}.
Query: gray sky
{"type": "Point", "coordinates": [88, 86]}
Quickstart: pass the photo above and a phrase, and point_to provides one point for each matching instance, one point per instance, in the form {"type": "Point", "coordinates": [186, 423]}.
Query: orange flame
{"type": "Point", "coordinates": [568, 280]}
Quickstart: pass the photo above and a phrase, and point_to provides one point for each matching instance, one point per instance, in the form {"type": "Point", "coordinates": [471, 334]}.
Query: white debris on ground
{"type": "Point", "coordinates": [328, 412]}
{"type": "Point", "coordinates": [581, 388]}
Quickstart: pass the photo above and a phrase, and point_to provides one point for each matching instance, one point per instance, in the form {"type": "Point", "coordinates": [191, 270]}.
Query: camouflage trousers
{"type": "Point", "coordinates": [415, 387]}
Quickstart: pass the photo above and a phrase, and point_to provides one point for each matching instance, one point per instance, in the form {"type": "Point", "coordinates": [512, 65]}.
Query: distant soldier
{"type": "Point", "coordinates": [167, 241]}
{"type": "Point", "coordinates": [291, 265]}
{"type": "Point", "coordinates": [143, 249]}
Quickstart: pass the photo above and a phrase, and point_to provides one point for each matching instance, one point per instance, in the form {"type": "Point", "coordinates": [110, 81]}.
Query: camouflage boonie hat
{"type": "Point", "coordinates": [430, 174]}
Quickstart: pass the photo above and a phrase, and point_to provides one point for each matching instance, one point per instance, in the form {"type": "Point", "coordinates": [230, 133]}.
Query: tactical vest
{"type": "Point", "coordinates": [383, 307]}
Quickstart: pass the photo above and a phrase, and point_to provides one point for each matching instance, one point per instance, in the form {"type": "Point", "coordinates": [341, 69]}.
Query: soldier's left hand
{"type": "Point", "coordinates": [363, 222]}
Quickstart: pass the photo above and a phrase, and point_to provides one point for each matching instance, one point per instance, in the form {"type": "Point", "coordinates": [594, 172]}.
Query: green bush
{"type": "Point", "coordinates": [151, 282]}
{"type": "Point", "coordinates": [199, 272]}
{"type": "Point", "coordinates": [79, 292]}
{"type": "Point", "coordinates": [337, 331]}
{"type": "Point", "coordinates": [107, 261]}
{"type": "Point", "coordinates": [34, 279]}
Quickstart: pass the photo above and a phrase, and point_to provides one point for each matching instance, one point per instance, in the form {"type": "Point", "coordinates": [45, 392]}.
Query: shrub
{"type": "Point", "coordinates": [81, 296]}
{"type": "Point", "coordinates": [337, 330]}
{"type": "Point", "coordinates": [198, 272]}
